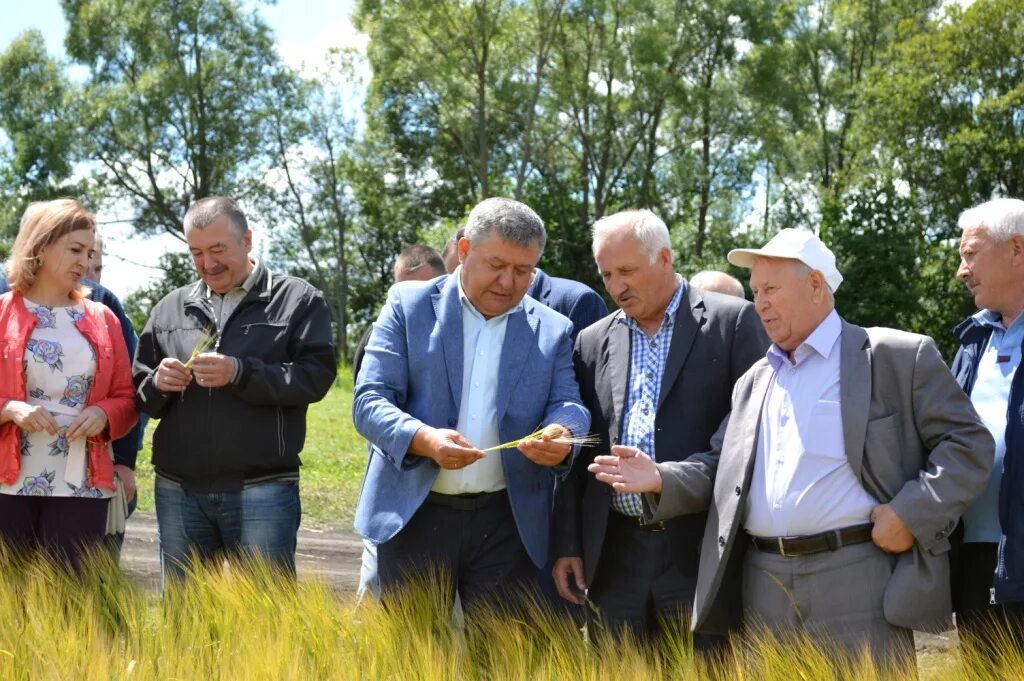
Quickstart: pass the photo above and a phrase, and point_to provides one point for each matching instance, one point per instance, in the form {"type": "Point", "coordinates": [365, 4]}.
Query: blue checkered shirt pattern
{"type": "Point", "coordinates": [647, 359]}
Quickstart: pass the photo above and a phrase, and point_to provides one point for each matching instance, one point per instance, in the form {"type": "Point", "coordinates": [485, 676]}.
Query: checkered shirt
{"type": "Point", "coordinates": [647, 359]}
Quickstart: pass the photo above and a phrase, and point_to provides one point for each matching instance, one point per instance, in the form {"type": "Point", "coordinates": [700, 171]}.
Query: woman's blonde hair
{"type": "Point", "coordinates": [43, 223]}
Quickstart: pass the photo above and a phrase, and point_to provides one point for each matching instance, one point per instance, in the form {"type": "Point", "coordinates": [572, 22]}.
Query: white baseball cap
{"type": "Point", "coordinates": [794, 244]}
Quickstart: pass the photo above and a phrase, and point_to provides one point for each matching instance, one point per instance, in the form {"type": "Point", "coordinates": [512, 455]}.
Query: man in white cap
{"type": "Point", "coordinates": [836, 480]}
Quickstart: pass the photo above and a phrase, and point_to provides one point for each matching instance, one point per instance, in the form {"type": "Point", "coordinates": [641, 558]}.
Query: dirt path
{"type": "Point", "coordinates": [330, 555]}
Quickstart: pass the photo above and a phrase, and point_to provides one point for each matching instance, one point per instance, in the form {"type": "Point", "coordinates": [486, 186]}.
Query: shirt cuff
{"type": "Point", "coordinates": [237, 375]}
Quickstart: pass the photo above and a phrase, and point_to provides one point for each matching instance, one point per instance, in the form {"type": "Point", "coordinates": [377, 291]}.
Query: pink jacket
{"type": "Point", "coordinates": [112, 389]}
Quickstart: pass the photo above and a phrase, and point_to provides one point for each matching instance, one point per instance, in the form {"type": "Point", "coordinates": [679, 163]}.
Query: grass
{"type": "Point", "coordinates": [334, 460]}
{"type": "Point", "coordinates": [242, 622]}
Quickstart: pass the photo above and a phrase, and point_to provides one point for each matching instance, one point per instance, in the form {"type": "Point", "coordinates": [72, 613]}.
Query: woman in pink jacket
{"type": "Point", "coordinates": [65, 389]}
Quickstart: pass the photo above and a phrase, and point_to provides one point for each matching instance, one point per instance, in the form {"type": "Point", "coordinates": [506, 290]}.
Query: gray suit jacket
{"type": "Point", "coordinates": [912, 437]}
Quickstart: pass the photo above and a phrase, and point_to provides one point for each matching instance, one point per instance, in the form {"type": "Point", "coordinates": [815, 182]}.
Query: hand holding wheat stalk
{"type": "Point", "coordinates": [208, 340]}
{"type": "Point", "coordinates": [564, 438]}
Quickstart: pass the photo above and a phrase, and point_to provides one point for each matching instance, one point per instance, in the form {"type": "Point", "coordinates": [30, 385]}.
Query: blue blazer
{"type": "Point", "coordinates": [577, 301]}
{"type": "Point", "coordinates": [412, 376]}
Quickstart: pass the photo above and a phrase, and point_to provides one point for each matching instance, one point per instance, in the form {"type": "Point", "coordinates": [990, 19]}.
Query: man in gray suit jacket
{"type": "Point", "coordinates": [848, 457]}
{"type": "Point", "coordinates": [656, 374]}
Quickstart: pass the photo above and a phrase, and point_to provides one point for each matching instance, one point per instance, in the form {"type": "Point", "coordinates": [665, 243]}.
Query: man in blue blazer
{"type": "Point", "coordinates": [577, 301]}
{"type": "Point", "coordinates": [454, 367]}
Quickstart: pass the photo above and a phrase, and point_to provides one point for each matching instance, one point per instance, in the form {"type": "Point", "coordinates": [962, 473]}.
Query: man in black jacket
{"type": "Point", "coordinates": [660, 371]}
{"type": "Point", "coordinates": [229, 365]}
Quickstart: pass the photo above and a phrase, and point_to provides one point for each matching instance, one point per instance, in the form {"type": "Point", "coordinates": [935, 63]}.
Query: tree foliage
{"type": "Point", "coordinates": [874, 122]}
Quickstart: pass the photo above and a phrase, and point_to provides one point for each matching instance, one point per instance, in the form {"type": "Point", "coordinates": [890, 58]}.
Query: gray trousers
{"type": "Point", "coordinates": [832, 597]}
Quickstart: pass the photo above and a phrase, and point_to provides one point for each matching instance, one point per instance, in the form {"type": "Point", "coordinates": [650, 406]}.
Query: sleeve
{"type": "Point", "coordinates": [148, 355]}
{"type": "Point", "coordinates": [383, 386]}
{"type": "Point", "coordinates": [119, 403]}
{"type": "Point", "coordinates": [126, 449]}
{"type": "Point", "coordinates": [960, 452]}
{"type": "Point", "coordinates": [564, 404]}
{"type": "Point", "coordinates": [686, 486]}
{"type": "Point", "coordinates": [312, 369]}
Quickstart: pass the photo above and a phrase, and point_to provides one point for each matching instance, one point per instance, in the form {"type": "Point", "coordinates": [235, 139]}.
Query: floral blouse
{"type": "Point", "coordinates": [59, 369]}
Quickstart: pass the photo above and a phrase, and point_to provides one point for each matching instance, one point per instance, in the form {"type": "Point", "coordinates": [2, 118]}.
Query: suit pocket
{"type": "Point", "coordinates": [883, 463]}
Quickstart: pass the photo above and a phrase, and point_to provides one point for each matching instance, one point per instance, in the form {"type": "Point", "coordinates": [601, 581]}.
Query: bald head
{"type": "Point", "coordinates": [719, 282]}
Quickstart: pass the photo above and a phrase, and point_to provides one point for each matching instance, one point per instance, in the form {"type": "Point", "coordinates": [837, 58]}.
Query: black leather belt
{"type": "Point", "coordinates": [814, 543]}
{"type": "Point", "coordinates": [466, 502]}
{"type": "Point", "coordinates": [639, 522]}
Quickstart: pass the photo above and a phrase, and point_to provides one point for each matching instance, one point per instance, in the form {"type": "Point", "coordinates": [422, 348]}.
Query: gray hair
{"type": "Point", "coordinates": [1003, 218]}
{"type": "Point", "coordinates": [205, 211]}
{"type": "Point", "coordinates": [512, 221]}
{"type": "Point", "coordinates": [647, 228]}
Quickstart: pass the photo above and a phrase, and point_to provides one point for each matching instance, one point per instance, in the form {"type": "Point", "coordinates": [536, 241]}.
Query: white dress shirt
{"type": "Point", "coordinates": [802, 481]}
{"type": "Point", "coordinates": [482, 341]}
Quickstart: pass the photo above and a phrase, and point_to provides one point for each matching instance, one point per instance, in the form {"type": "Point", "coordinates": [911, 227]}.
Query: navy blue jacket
{"type": "Point", "coordinates": [580, 303]}
{"type": "Point", "coordinates": [1009, 578]}
{"type": "Point", "coordinates": [126, 449]}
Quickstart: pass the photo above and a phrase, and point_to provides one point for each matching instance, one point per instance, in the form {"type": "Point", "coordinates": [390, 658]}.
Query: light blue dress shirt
{"type": "Point", "coordinates": [991, 397]}
{"type": "Point", "coordinates": [802, 480]}
{"type": "Point", "coordinates": [482, 341]}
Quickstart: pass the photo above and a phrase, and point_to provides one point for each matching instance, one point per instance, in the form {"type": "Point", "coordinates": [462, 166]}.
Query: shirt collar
{"type": "Point", "coordinates": [821, 341]}
{"type": "Point", "coordinates": [994, 320]}
{"type": "Point", "coordinates": [246, 286]}
{"type": "Point", "coordinates": [670, 311]}
{"type": "Point", "coordinates": [468, 304]}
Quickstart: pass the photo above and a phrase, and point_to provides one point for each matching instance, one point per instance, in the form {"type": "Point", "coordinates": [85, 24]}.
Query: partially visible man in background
{"type": "Point", "coordinates": [718, 282]}
{"type": "Point", "coordinates": [988, 565]}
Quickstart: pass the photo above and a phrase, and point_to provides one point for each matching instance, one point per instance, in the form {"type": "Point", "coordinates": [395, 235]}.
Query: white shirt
{"type": "Point", "coordinates": [482, 341]}
{"type": "Point", "coordinates": [802, 481]}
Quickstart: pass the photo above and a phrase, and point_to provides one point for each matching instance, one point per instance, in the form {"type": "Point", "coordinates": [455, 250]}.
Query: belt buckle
{"type": "Point", "coordinates": [650, 526]}
{"type": "Point", "coordinates": [782, 547]}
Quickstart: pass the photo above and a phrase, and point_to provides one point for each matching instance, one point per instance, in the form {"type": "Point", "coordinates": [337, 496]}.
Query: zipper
{"type": "Point", "coordinates": [280, 431]}
{"type": "Point", "coordinates": [271, 325]}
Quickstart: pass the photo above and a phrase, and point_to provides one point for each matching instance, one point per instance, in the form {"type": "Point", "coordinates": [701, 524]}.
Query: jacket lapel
{"type": "Point", "coordinates": [752, 419]}
{"type": "Point", "coordinates": [448, 310]}
{"type": "Point", "coordinates": [689, 318]}
{"type": "Point", "coordinates": [617, 360]}
{"type": "Point", "coordinates": [855, 392]}
{"type": "Point", "coordinates": [520, 331]}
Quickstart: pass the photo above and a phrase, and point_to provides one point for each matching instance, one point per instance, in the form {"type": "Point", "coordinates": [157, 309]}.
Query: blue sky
{"type": "Point", "coordinates": [305, 29]}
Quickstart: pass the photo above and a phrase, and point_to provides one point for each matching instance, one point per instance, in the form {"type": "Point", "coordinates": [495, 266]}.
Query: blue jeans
{"type": "Point", "coordinates": [260, 520]}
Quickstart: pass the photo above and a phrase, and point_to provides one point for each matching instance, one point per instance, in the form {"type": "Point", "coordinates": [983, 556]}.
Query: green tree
{"type": "Point", "coordinates": [947, 110]}
{"type": "Point", "coordinates": [37, 157]}
{"type": "Point", "coordinates": [171, 110]}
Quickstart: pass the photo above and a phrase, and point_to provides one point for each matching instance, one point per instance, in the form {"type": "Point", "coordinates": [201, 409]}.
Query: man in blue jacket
{"type": "Point", "coordinates": [455, 367]}
{"type": "Point", "coordinates": [988, 575]}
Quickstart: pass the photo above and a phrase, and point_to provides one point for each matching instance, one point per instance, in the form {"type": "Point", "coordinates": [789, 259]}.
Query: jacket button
{"type": "Point", "coordinates": [721, 541]}
{"type": "Point", "coordinates": [738, 491]}
{"type": "Point", "coordinates": [452, 423]}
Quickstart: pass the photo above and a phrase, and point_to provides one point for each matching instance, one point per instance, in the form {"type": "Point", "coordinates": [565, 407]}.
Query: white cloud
{"type": "Point", "coordinates": [310, 55]}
